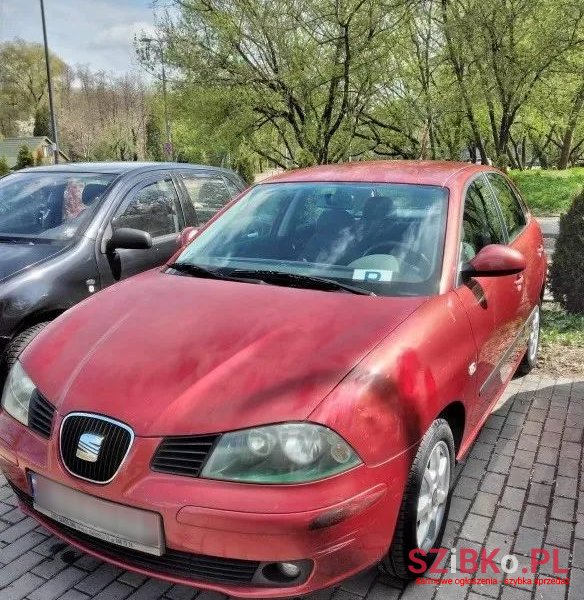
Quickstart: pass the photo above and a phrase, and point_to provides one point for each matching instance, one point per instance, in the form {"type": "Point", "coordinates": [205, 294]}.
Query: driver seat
{"type": "Point", "coordinates": [329, 241]}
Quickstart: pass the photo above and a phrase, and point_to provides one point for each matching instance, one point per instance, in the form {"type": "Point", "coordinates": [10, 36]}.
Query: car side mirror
{"type": "Point", "coordinates": [131, 239]}
{"type": "Point", "coordinates": [187, 235]}
{"type": "Point", "coordinates": [495, 260]}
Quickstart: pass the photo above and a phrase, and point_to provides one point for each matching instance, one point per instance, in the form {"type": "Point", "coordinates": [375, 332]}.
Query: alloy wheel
{"type": "Point", "coordinates": [433, 496]}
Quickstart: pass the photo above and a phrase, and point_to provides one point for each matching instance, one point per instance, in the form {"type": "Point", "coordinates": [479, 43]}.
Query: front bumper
{"type": "Point", "coordinates": [334, 528]}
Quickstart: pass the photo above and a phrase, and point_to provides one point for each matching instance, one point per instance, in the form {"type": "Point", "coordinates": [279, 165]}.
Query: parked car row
{"type": "Point", "coordinates": [281, 405]}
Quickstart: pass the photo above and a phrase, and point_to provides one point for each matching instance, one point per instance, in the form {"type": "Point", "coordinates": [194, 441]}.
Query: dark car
{"type": "Point", "coordinates": [67, 231]}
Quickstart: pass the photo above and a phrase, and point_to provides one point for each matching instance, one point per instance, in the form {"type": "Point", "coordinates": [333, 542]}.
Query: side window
{"type": "Point", "coordinates": [153, 208]}
{"type": "Point", "coordinates": [208, 195]}
{"type": "Point", "coordinates": [233, 189]}
{"type": "Point", "coordinates": [481, 224]}
{"type": "Point", "coordinates": [512, 210]}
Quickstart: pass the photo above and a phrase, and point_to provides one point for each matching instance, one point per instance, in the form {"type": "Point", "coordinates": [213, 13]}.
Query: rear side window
{"type": "Point", "coordinates": [511, 208]}
{"type": "Point", "coordinates": [481, 224]}
{"type": "Point", "coordinates": [152, 208]}
{"type": "Point", "coordinates": [207, 194]}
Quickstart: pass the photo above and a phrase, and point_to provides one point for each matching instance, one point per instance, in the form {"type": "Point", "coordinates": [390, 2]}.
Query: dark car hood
{"type": "Point", "coordinates": [15, 257]}
{"type": "Point", "coordinates": [168, 354]}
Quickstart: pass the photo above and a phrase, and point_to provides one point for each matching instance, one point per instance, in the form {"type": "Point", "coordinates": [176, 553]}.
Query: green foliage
{"type": "Point", "coordinates": [24, 158]}
{"type": "Point", "coordinates": [4, 170]}
{"type": "Point", "coordinates": [154, 143]}
{"type": "Point", "coordinates": [42, 122]}
{"type": "Point", "coordinates": [549, 192]}
{"type": "Point", "coordinates": [324, 81]}
{"type": "Point", "coordinates": [244, 165]}
{"type": "Point", "coordinates": [23, 81]}
{"type": "Point", "coordinates": [303, 74]}
{"type": "Point", "coordinates": [566, 273]}
{"type": "Point", "coordinates": [560, 328]}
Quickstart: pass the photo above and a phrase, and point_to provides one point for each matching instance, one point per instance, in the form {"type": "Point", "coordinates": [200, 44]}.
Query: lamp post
{"type": "Point", "coordinates": [50, 86]}
{"type": "Point", "coordinates": [168, 149]}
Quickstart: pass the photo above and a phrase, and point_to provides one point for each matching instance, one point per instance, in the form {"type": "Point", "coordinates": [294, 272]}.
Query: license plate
{"type": "Point", "coordinates": [115, 523]}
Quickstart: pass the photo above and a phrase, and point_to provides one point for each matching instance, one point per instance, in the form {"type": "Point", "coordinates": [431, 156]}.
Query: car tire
{"type": "Point", "coordinates": [529, 360]}
{"type": "Point", "coordinates": [438, 442]}
{"type": "Point", "coordinates": [16, 346]}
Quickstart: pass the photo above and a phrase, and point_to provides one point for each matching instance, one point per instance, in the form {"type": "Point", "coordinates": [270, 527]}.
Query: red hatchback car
{"type": "Point", "coordinates": [283, 405]}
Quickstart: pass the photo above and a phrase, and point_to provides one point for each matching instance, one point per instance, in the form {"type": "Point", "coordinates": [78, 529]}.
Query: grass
{"type": "Point", "coordinates": [549, 192]}
{"type": "Point", "coordinates": [560, 328]}
{"type": "Point", "coordinates": [562, 342]}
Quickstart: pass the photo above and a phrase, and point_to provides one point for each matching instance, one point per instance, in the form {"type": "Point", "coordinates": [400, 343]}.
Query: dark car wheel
{"type": "Point", "coordinates": [529, 361]}
{"type": "Point", "coordinates": [15, 348]}
{"type": "Point", "coordinates": [424, 510]}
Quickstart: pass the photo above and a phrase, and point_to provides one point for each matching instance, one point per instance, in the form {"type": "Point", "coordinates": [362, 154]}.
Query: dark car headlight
{"type": "Point", "coordinates": [285, 453]}
{"type": "Point", "coordinates": [17, 393]}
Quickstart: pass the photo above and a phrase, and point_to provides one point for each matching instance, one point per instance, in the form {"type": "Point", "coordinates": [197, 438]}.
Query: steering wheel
{"type": "Point", "coordinates": [411, 258]}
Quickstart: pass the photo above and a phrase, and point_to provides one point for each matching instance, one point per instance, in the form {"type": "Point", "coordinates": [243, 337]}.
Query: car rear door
{"type": "Point", "coordinates": [524, 235]}
{"type": "Point", "coordinates": [152, 205]}
{"type": "Point", "coordinates": [493, 304]}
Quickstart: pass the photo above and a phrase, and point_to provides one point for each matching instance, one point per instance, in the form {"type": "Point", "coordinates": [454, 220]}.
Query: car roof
{"type": "Point", "coordinates": [422, 172]}
{"type": "Point", "coordinates": [119, 168]}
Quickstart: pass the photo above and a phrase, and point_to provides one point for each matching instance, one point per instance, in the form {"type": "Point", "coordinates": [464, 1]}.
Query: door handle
{"type": "Point", "coordinates": [519, 282]}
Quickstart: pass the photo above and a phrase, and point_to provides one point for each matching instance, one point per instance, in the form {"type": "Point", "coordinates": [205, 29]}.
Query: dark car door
{"type": "Point", "coordinates": [152, 206]}
{"type": "Point", "coordinates": [493, 304]}
{"type": "Point", "coordinates": [207, 193]}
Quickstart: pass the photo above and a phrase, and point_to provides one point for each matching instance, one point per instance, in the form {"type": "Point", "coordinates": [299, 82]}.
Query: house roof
{"type": "Point", "coordinates": [9, 147]}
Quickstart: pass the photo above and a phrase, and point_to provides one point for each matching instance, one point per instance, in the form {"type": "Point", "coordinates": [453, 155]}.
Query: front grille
{"type": "Point", "coordinates": [114, 448]}
{"type": "Point", "coordinates": [40, 414]}
{"type": "Point", "coordinates": [195, 567]}
{"type": "Point", "coordinates": [183, 455]}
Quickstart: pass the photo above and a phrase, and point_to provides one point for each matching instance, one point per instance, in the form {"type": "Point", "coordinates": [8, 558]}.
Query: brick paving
{"type": "Point", "coordinates": [518, 488]}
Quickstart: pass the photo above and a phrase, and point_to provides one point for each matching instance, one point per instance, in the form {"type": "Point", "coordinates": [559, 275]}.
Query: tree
{"type": "Point", "coordinates": [307, 71]}
{"type": "Point", "coordinates": [574, 115]}
{"type": "Point", "coordinates": [24, 158]}
{"type": "Point", "coordinates": [103, 117]}
{"type": "Point", "coordinates": [566, 273]}
{"type": "Point", "coordinates": [504, 50]}
{"type": "Point", "coordinates": [154, 147]}
{"type": "Point", "coordinates": [4, 169]}
{"type": "Point", "coordinates": [42, 122]}
{"type": "Point", "coordinates": [317, 81]}
{"type": "Point", "coordinates": [23, 81]}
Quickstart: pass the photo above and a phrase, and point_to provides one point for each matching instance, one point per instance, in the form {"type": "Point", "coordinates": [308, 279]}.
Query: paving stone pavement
{"type": "Point", "coordinates": [518, 488]}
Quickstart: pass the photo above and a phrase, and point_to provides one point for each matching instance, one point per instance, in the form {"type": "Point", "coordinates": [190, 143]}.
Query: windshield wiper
{"type": "Point", "coordinates": [297, 280]}
{"type": "Point", "coordinates": [16, 239]}
{"type": "Point", "coordinates": [196, 271]}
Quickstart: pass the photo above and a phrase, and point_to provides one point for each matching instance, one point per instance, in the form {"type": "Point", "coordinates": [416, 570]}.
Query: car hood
{"type": "Point", "coordinates": [172, 355]}
{"type": "Point", "coordinates": [15, 257]}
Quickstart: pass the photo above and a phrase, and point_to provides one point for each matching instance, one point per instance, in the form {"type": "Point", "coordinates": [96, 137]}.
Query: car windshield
{"type": "Point", "coordinates": [383, 238]}
{"type": "Point", "coordinates": [49, 206]}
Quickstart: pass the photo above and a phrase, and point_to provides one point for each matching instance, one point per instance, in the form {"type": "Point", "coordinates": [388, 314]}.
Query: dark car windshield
{"type": "Point", "coordinates": [49, 206]}
{"type": "Point", "coordinates": [384, 238]}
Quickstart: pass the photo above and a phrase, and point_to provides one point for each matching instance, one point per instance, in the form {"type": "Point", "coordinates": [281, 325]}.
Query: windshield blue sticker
{"type": "Point", "coordinates": [372, 275]}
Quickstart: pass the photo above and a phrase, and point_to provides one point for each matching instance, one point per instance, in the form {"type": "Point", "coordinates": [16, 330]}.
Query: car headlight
{"type": "Point", "coordinates": [285, 453]}
{"type": "Point", "coordinates": [18, 391]}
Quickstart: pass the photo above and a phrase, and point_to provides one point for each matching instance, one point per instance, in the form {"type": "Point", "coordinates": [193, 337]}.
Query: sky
{"type": "Point", "coordinates": [97, 33]}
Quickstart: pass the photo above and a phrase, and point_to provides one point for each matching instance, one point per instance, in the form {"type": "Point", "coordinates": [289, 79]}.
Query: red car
{"type": "Point", "coordinates": [282, 405]}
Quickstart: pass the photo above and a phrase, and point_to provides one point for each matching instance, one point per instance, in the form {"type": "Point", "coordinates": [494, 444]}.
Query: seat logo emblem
{"type": "Point", "coordinates": [89, 446]}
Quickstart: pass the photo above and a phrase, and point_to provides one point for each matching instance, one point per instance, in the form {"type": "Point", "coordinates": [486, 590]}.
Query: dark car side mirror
{"type": "Point", "coordinates": [186, 236]}
{"type": "Point", "coordinates": [131, 239]}
{"type": "Point", "coordinates": [495, 260]}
